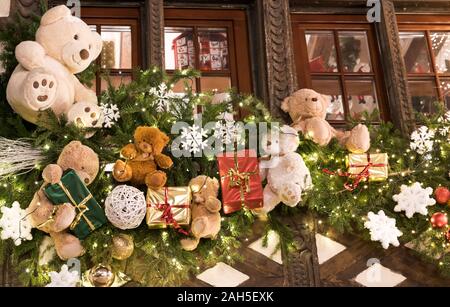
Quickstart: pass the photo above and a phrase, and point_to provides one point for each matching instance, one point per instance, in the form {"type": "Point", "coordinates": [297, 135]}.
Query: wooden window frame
{"type": "Point", "coordinates": [115, 16]}
{"type": "Point", "coordinates": [335, 23]}
{"type": "Point", "coordinates": [235, 22]}
{"type": "Point", "coordinates": [426, 24]}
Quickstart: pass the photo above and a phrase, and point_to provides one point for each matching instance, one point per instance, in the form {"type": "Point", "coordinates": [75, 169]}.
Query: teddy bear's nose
{"type": "Point", "coordinates": [84, 54]}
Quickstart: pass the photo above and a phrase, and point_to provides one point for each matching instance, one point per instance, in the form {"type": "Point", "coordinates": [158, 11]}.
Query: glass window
{"type": "Point", "coordinates": [340, 65]}
{"type": "Point", "coordinates": [117, 47]}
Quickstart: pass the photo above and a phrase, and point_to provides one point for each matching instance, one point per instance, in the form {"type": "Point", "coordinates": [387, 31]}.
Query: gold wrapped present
{"type": "Point", "coordinates": [374, 167]}
{"type": "Point", "coordinates": [169, 206]}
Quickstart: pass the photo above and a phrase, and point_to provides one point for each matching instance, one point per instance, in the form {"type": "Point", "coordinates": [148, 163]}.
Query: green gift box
{"type": "Point", "coordinates": [71, 189]}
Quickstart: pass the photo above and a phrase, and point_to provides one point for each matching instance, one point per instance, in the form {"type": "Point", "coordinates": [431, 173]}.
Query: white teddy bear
{"type": "Point", "coordinates": [45, 78]}
{"type": "Point", "coordinates": [286, 172]}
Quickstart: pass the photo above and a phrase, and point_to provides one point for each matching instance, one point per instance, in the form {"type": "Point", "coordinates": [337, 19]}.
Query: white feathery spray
{"type": "Point", "coordinates": [18, 157]}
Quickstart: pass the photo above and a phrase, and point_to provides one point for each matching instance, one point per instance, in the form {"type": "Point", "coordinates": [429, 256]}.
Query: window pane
{"type": "Point", "coordinates": [116, 51]}
{"type": "Point", "coordinates": [321, 51]}
{"type": "Point", "coordinates": [361, 97]}
{"type": "Point", "coordinates": [215, 84]}
{"type": "Point", "coordinates": [116, 81]}
{"type": "Point", "coordinates": [179, 50]}
{"type": "Point", "coordinates": [355, 52]}
{"type": "Point", "coordinates": [179, 87]}
{"type": "Point", "coordinates": [213, 47]}
{"type": "Point", "coordinates": [423, 95]}
{"type": "Point", "coordinates": [415, 52]}
{"type": "Point", "coordinates": [440, 43]}
{"type": "Point", "coordinates": [332, 89]}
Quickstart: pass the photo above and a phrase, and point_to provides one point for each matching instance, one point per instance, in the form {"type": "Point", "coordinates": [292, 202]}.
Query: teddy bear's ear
{"type": "Point", "coordinates": [55, 14]}
{"type": "Point", "coordinates": [165, 138]}
{"type": "Point", "coordinates": [285, 104]}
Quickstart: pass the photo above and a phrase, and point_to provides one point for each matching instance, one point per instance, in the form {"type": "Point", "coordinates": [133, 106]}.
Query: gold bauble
{"type": "Point", "coordinates": [101, 276]}
{"type": "Point", "coordinates": [123, 246]}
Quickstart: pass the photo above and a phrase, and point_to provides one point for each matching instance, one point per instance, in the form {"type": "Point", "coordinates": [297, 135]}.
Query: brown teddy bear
{"type": "Point", "coordinates": [142, 159]}
{"type": "Point", "coordinates": [55, 219]}
{"type": "Point", "coordinates": [308, 110]}
{"type": "Point", "coordinates": [206, 207]}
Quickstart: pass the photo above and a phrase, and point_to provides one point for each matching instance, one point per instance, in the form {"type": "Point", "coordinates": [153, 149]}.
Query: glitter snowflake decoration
{"type": "Point", "coordinates": [413, 199]}
{"type": "Point", "coordinates": [64, 278]}
{"type": "Point", "coordinates": [422, 140]}
{"type": "Point", "coordinates": [15, 224]}
{"type": "Point", "coordinates": [382, 228]}
{"type": "Point", "coordinates": [192, 139]}
{"type": "Point", "coordinates": [163, 95]}
{"type": "Point", "coordinates": [111, 114]}
{"type": "Point", "coordinates": [226, 129]}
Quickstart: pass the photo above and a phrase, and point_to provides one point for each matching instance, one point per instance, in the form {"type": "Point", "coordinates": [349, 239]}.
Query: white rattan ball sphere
{"type": "Point", "coordinates": [125, 207]}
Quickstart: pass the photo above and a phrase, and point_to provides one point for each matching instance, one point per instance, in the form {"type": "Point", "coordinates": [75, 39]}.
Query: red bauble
{"type": "Point", "coordinates": [442, 195]}
{"type": "Point", "coordinates": [439, 220]}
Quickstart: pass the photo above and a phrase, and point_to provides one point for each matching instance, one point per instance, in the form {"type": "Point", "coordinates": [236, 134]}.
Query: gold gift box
{"type": "Point", "coordinates": [179, 200]}
{"type": "Point", "coordinates": [379, 169]}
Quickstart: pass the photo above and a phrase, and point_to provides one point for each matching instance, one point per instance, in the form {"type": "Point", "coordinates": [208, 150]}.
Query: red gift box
{"type": "Point", "coordinates": [240, 181]}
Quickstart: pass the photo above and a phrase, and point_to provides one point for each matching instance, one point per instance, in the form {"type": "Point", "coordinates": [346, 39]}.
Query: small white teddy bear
{"type": "Point", "coordinates": [286, 172]}
{"type": "Point", "coordinates": [45, 77]}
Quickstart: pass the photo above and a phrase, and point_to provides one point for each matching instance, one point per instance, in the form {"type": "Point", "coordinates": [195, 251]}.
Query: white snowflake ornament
{"type": "Point", "coordinates": [192, 139]}
{"type": "Point", "coordinates": [422, 140]}
{"type": "Point", "coordinates": [163, 95]}
{"type": "Point", "coordinates": [382, 228]}
{"type": "Point", "coordinates": [15, 224]}
{"type": "Point", "coordinates": [227, 130]}
{"type": "Point", "coordinates": [413, 199]}
{"type": "Point", "coordinates": [111, 114]}
{"type": "Point", "coordinates": [64, 278]}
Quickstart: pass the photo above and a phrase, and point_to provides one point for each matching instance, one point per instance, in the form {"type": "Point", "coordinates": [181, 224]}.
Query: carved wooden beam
{"type": "Point", "coordinates": [280, 64]}
{"type": "Point", "coordinates": [154, 12]}
{"type": "Point", "coordinates": [394, 69]}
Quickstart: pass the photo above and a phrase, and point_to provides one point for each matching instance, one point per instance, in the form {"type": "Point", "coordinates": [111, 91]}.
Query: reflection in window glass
{"type": "Point", "coordinates": [179, 87]}
{"type": "Point", "coordinates": [179, 49]}
{"type": "Point", "coordinates": [423, 95]}
{"type": "Point", "coordinates": [332, 89]}
{"type": "Point", "coordinates": [215, 84]}
{"type": "Point", "coordinates": [440, 43]}
{"type": "Point", "coordinates": [415, 52]}
{"type": "Point", "coordinates": [321, 51]}
{"type": "Point", "coordinates": [116, 52]}
{"type": "Point", "coordinates": [361, 98]}
{"type": "Point", "coordinates": [213, 49]}
{"type": "Point", "coordinates": [354, 51]}
{"type": "Point", "coordinates": [445, 88]}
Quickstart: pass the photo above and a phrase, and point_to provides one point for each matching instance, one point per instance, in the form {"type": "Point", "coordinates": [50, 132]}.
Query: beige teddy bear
{"type": "Point", "coordinates": [206, 207]}
{"type": "Point", "coordinates": [308, 110]}
{"type": "Point", "coordinates": [44, 78]}
{"type": "Point", "coordinates": [56, 219]}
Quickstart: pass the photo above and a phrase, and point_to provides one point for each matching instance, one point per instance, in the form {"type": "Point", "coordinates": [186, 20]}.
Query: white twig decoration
{"type": "Point", "coordinates": [18, 157]}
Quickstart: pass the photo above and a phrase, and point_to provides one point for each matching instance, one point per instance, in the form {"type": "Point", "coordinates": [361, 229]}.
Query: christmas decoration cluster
{"type": "Point", "coordinates": [108, 190]}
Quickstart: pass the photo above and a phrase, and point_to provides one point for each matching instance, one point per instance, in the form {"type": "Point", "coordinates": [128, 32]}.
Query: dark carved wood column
{"type": "Point", "coordinates": [394, 69]}
{"type": "Point", "coordinates": [154, 12]}
{"type": "Point", "coordinates": [280, 65]}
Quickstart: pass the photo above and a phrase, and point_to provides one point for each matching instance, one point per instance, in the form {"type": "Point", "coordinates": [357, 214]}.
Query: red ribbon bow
{"type": "Point", "coordinates": [364, 174]}
{"type": "Point", "coordinates": [167, 214]}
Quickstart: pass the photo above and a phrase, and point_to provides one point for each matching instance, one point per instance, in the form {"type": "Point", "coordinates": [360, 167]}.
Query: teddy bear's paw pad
{"type": "Point", "coordinates": [156, 180]}
{"type": "Point", "coordinates": [121, 171]}
{"type": "Point", "coordinates": [189, 244]}
{"type": "Point", "coordinates": [85, 115]}
{"type": "Point", "coordinates": [199, 226]}
{"type": "Point", "coordinates": [41, 89]}
{"type": "Point", "coordinates": [64, 217]}
{"type": "Point", "coordinates": [289, 196]}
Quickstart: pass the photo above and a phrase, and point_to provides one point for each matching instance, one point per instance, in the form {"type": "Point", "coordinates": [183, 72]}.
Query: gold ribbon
{"type": "Point", "coordinates": [82, 208]}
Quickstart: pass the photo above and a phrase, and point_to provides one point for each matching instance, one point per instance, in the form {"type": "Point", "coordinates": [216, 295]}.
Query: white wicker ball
{"type": "Point", "coordinates": [125, 207]}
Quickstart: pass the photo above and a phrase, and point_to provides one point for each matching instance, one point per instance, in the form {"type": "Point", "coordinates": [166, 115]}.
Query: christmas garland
{"type": "Point", "coordinates": [148, 101]}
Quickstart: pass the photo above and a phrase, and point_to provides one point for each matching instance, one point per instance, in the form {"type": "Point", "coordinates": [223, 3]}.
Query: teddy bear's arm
{"type": "Point", "coordinates": [163, 161]}
{"type": "Point", "coordinates": [52, 173]}
{"type": "Point", "coordinates": [30, 54]}
{"type": "Point", "coordinates": [82, 93]}
{"type": "Point", "coordinates": [129, 151]}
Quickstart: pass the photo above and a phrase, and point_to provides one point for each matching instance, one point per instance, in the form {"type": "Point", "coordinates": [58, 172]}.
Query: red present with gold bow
{"type": "Point", "coordinates": [240, 180]}
{"type": "Point", "coordinates": [169, 206]}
